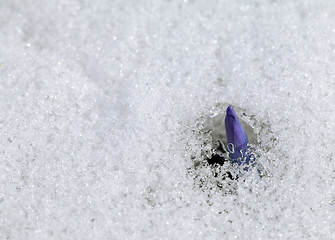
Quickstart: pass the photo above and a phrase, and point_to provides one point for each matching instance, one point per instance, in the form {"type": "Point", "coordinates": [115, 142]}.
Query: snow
{"type": "Point", "coordinates": [103, 106]}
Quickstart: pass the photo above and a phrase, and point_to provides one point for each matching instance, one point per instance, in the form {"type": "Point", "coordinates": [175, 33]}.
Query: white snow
{"type": "Point", "coordinates": [103, 102]}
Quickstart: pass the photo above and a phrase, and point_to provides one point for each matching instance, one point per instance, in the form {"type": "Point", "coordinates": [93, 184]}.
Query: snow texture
{"type": "Point", "coordinates": [102, 105]}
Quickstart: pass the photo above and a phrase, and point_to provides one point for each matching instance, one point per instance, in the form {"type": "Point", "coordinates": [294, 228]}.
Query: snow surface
{"type": "Point", "coordinates": [102, 105]}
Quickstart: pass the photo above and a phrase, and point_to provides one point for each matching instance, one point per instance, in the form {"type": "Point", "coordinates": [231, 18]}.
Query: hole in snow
{"type": "Point", "coordinates": [213, 170]}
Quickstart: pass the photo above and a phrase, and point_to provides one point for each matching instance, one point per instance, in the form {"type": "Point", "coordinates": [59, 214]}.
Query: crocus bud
{"type": "Point", "coordinates": [237, 139]}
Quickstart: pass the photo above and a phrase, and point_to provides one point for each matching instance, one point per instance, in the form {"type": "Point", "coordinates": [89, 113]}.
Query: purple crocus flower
{"type": "Point", "coordinates": [237, 139]}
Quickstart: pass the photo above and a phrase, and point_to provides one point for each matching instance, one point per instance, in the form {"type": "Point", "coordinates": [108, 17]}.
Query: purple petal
{"type": "Point", "coordinates": [237, 139]}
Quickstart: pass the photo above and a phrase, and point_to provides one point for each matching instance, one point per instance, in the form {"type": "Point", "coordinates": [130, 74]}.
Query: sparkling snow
{"type": "Point", "coordinates": [103, 105]}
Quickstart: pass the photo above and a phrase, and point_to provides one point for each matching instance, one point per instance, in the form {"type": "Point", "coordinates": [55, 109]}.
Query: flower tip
{"type": "Point", "coordinates": [230, 109]}
{"type": "Point", "coordinates": [231, 114]}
